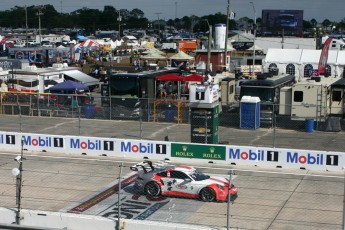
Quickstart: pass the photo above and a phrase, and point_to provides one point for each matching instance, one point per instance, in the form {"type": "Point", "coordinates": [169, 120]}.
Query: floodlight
{"type": "Point", "coordinates": [18, 158]}
{"type": "Point", "coordinates": [15, 172]}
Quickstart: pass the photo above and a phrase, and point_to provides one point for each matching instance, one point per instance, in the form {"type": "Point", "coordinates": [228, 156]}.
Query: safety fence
{"type": "Point", "coordinates": [111, 189]}
{"type": "Point", "coordinates": [149, 116]}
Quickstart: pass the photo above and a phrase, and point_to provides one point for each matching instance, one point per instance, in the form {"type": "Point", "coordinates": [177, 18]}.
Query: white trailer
{"type": "Point", "coordinates": [337, 106]}
{"type": "Point", "coordinates": [311, 99]}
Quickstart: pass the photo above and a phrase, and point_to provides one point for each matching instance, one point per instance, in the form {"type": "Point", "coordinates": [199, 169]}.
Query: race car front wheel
{"type": "Point", "coordinates": [152, 189]}
{"type": "Point", "coordinates": [208, 195]}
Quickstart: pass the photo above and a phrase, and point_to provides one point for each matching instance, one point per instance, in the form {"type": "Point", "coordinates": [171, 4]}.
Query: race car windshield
{"type": "Point", "coordinates": [199, 176]}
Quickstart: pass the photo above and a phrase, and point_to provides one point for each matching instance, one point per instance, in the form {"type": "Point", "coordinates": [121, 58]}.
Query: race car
{"type": "Point", "coordinates": [181, 181]}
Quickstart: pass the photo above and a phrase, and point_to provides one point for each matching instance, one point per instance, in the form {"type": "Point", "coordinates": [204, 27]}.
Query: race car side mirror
{"type": "Point", "coordinates": [133, 168]}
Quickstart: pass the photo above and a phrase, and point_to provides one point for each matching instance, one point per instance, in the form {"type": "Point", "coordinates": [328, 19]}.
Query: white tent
{"type": "Point", "coordinates": [302, 57]}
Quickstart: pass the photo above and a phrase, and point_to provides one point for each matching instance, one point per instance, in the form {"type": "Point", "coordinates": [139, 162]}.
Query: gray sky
{"type": "Point", "coordinates": [169, 9]}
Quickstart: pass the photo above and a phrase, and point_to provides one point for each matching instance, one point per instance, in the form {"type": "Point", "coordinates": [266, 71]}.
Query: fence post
{"type": "Point", "coordinates": [274, 123]}
{"type": "Point", "coordinates": [79, 121]}
{"type": "Point", "coordinates": [119, 199]}
{"type": "Point", "coordinates": [141, 125]}
{"type": "Point", "coordinates": [110, 107]}
{"type": "Point", "coordinates": [228, 204]}
{"type": "Point", "coordinates": [20, 117]}
{"type": "Point", "coordinates": [205, 127]}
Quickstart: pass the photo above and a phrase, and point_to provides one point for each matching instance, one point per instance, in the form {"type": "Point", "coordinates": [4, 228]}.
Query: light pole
{"type": "Point", "coordinates": [119, 19]}
{"type": "Point", "coordinates": [39, 13]}
{"type": "Point", "coordinates": [226, 34]}
{"type": "Point", "coordinates": [18, 173]}
{"type": "Point", "coordinates": [159, 26]}
{"type": "Point", "coordinates": [208, 65]}
{"type": "Point", "coordinates": [26, 25]}
{"type": "Point", "coordinates": [254, 37]}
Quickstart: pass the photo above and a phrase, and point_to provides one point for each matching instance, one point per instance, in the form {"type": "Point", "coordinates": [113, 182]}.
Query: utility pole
{"type": "Point", "coordinates": [208, 67]}
{"type": "Point", "coordinates": [253, 72]}
{"type": "Point", "coordinates": [226, 35]}
{"type": "Point", "coordinates": [159, 26]}
{"type": "Point", "coordinates": [26, 25]}
{"type": "Point", "coordinates": [39, 13]}
{"type": "Point", "coordinates": [119, 19]}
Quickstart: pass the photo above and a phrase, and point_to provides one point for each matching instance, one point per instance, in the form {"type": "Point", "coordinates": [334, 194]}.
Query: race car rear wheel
{"type": "Point", "coordinates": [152, 189]}
{"type": "Point", "coordinates": [208, 195]}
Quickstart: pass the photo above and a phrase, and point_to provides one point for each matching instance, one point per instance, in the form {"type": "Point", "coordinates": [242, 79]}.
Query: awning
{"type": "Point", "coordinates": [81, 77]}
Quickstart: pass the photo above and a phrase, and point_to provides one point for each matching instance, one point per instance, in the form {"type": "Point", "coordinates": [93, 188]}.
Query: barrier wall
{"type": "Point", "coordinates": [159, 150]}
{"type": "Point", "coordinates": [56, 220]}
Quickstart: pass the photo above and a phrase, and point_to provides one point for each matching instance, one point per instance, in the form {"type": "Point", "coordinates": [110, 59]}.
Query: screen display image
{"type": "Point", "coordinates": [278, 22]}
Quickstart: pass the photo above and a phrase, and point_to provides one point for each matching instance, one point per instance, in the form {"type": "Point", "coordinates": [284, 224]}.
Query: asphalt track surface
{"type": "Point", "coordinates": [262, 137]}
{"type": "Point", "coordinates": [275, 199]}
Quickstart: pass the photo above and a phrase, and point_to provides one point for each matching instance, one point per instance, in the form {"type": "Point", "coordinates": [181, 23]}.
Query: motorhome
{"type": "Point", "coordinates": [309, 99]}
{"type": "Point", "coordinates": [41, 79]}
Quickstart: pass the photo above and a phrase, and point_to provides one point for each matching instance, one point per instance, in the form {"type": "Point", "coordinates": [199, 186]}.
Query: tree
{"type": "Point", "coordinates": [313, 22]}
{"type": "Point", "coordinates": [326, 23]}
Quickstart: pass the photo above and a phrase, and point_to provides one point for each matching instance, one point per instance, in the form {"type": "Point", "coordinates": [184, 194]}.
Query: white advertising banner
{"type": "Point", "coordinates": [140, 149]}
{"type": "Point", "coordinates": [159, 150]}
{"type": "Point", "coordinates": [285, 158]}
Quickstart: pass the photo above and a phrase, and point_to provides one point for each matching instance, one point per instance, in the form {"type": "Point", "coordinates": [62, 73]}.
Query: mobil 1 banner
{"type": "Point", "coordinates": [92, 146]}
{"type": "Point", "coordinates": [9, 140]}
{"type": "Point", "coordinates": [312, 160]}
{"type": "Point", "coordinates": [42, 142]}
{"type": "Point", "coordinates": [254, 156]}
{"type": "Point", "coordinates": [140, 149]}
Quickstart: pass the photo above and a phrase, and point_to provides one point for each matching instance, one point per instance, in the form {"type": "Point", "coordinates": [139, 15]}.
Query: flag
{"type": "Point", "coordinates": [324, 56]}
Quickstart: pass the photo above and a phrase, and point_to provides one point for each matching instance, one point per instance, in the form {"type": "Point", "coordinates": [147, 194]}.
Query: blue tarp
{"type": "Point", "coordinates": [69, 86]}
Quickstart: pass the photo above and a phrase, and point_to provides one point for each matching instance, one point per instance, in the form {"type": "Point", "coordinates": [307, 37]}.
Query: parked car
{"type": "Point", "coordinates": [181, 181]}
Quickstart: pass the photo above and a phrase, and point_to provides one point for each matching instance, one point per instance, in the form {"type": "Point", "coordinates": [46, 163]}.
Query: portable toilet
{"type": "Point", "coordinates": [250, 112]}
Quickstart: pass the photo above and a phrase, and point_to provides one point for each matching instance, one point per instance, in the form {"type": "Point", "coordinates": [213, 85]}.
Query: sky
{"type": "Point", "coordinates": [332, 10]}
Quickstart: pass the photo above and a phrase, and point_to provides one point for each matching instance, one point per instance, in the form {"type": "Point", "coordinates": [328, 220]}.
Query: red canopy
{"type": "Point", "coordinates": [193, 77]}
{"type": "Point", "coordinates": [169, 77]}
{"type": "Point", "coordinates": [175, 77]}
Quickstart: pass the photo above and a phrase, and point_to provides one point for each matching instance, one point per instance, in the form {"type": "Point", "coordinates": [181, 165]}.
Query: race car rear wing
{"type": "Point", "coordinates": [148, 166]}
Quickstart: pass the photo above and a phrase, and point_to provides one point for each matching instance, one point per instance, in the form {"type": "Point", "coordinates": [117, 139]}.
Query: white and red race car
{"type": "Point", "coordinates": [181, 181]}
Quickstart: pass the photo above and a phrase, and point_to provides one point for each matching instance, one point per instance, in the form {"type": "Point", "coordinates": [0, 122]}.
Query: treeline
{"type": "Point", "coordinates": [107, 19]}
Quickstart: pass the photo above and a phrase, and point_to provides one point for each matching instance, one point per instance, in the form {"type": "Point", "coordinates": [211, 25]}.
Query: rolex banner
{"type": "Point", "coordinates": [207, 152]}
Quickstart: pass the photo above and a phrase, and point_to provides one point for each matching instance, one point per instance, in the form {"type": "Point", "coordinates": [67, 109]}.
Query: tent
{"type": "Point", "coordinates": [193, 77]}
{"type": "Point", "coordinates": [175, 77]}
{"type": "Point", "coordinates": [89, 43]}
{"type": "Point", "coordinates": [181, 56]}
{"type": "Point", "coordinates": [69, 86]}
{"type": "Point", "coordinates": [169, 77]}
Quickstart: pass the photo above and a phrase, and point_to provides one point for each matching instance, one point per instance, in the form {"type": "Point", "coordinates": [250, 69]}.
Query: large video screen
{"type": "Point", "coordinates": [278, 22]}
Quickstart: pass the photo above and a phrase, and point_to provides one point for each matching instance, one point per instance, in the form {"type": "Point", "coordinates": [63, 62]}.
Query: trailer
{"type": "Point", "coordinates": [311, 99]}
{"type": "Point", "coordinates": [337, 105]}
{"type": "Point", "coordinates": [267, 87]}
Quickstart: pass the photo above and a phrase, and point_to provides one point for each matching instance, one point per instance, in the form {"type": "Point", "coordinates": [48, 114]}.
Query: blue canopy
{"type": "Point", "coordinates": [69, 86]}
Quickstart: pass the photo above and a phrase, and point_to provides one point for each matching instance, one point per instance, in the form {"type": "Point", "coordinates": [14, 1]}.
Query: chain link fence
{"type": "Point", "coordinates": [166, 119]}
{"type": "Point", "coordinates": [106, 188]}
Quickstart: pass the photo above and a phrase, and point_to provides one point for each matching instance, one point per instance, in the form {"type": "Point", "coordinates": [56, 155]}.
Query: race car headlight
{"type": "Point", "coordinates": [220, 187]}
